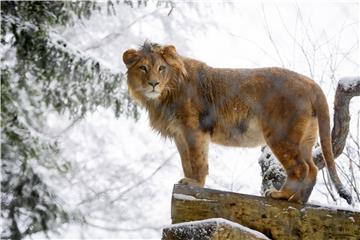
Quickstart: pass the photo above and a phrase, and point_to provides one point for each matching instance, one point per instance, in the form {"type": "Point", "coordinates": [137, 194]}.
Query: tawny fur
{"type": "Point", "coordinates": [193, 104]}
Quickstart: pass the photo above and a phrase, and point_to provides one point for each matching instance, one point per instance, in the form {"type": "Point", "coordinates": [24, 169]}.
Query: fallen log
{"type": "Point", "coordinates": [211, 229]}
{"type": "Point", "coordinates": [276, 219]}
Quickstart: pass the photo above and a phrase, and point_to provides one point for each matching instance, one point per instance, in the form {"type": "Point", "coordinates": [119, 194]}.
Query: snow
{"type": "Point", "coordinates": [349, 82]}
{"type": "Point", "coordinates": [316, 151]}
{"type": "Point", "coordinates": [122, 172]}
{"type": "Point", "coordinates": [184, 197]}
{"type": "Point", "coordinates": [218, 221]}
{"type": "Point", "coordinates": [188, 197]}
{"type": "Point", "coordinates": [61, 42]}
{"type": "Point", "coordinates": [334, 208]}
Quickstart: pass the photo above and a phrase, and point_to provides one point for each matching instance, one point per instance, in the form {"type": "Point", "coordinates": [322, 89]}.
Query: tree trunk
{"type": "Point", "coordinates": [276, 219]}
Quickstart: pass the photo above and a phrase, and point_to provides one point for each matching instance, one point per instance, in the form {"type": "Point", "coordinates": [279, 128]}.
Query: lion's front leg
{"type": "Point", "coordinates": [183, 150]}
{"type": "Point", "coordinates": [193, 149]}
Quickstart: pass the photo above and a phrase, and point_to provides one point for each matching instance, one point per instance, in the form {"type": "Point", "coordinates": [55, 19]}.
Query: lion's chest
{"type": "Point", "coordinates": [165, 123]}
{"type": "Point", "coordinates": [245, 133]}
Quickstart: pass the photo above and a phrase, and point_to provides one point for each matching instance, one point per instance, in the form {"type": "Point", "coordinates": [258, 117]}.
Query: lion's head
{"type": "Point", "coordinates": [152, 70]}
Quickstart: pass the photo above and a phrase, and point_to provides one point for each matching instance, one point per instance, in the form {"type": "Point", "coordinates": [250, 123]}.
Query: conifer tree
{"type": "Point", "coordinates": [41, 72]}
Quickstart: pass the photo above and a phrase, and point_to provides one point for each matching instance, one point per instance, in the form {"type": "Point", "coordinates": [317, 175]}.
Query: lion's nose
{"type": "Point", "coordinates": [153, 83]}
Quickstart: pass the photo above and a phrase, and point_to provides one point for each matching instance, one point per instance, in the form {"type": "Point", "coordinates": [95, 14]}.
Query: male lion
{"type": "Point", "coordinates": [193, 104]}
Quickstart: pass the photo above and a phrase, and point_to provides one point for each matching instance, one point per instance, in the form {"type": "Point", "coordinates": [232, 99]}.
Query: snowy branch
{"type": "Point", "coordinates": [347, 88]}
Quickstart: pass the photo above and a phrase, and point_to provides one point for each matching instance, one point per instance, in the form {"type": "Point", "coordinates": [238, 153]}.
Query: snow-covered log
{"type": "Point", "coordinates": [211, 229]}
{"type": "Point", "coordinates": [272, 172]}
{"type": "Point", "coordinates": [276, 219]}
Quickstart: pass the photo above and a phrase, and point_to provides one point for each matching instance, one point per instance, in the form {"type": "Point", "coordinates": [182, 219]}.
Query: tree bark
{"type": "Point", "coordinates": [345, 91]}
{"type": "Point", "coordinates": [273, 173]}
{"type": "Point", "coordinates": [276, 219]}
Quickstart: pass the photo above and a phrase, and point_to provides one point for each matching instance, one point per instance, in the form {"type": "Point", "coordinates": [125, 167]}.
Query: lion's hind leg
{"type": "Point", "coordinates": [307, 143]}
{"type": "Point", "coordinates": [293, 150]}
{"type": "Point", "coordinates": [296, 169]}
{"type": "Point", "coordinates": [304, 192]}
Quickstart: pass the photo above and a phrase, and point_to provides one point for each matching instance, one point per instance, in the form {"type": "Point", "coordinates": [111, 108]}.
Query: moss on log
{"type": "Point", "coordinates": [276, 219]}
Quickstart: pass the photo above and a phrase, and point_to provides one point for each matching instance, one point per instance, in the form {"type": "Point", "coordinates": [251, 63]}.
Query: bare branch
{"type": "Point", "coordinates": [267, 28]}
{"type": "Point", "coordinates": [143, 180]}
{"type": "Point", "coordinates": [114, 35]}
{"type": "Point", "coordinates": [328, 186]}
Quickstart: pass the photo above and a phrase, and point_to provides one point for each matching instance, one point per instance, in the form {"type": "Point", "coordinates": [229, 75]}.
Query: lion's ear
{"type": "Point", "coordinates": [169, 49]}
{"type": "Point", "coordinates": [173, 59]}
{"type": "Point", "coordinates": [130, 56]}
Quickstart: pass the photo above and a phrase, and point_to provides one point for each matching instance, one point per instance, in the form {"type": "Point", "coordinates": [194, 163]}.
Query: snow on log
{"type": "Point", "coordinates": [212, 229]}
{"type": "Point", "coordinates": [276, 219]}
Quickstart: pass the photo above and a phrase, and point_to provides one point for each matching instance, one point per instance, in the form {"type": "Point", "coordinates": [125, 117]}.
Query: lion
{"type": "Point", "coordinates": [195, 104]}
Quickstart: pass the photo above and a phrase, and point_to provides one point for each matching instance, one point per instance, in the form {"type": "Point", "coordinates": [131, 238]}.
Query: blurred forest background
{"type": "Point", "coordinates": [78, 158]}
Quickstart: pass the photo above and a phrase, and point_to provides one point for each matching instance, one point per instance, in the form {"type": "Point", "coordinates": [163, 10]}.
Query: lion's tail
{"type": "Point", "coordinates": [322, 112]}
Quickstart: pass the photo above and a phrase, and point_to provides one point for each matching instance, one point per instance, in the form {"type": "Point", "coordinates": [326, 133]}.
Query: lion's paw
{"type": "Point", "coordinates": [189, 181]}
{"type": "Point", "coordinates": [268, 193]}
{"type": "Point", "coordinates": [276, 194]}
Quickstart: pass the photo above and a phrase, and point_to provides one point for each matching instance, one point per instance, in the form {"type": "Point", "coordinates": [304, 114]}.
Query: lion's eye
{"type": "Point", "coordinates": [162, 68]}
{"type": "Point", "coordinates": [143, 68]}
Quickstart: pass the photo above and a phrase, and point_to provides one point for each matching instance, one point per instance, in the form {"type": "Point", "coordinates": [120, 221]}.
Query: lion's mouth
{"type": "Point", "coordinates": [152, 94]}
